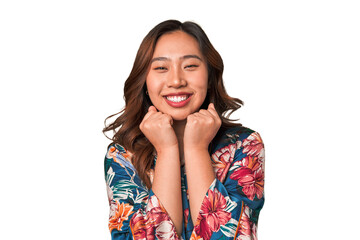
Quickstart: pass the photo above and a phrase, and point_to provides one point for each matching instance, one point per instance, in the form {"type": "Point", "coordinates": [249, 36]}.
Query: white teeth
{"type": "Point", "coordinates": [177, 98]}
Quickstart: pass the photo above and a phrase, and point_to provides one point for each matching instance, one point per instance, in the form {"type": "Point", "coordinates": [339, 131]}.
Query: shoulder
{"type": "Point", "coordinates": [239, 136]}
{"type": "Point", "coordinates": [121, 175]}
{"type": "Point", "coordinates": [126, 192]}
{"type": "Point", "coordinates": [232, 147]}
{"type": "Point", "coordinates": [119, 168]}
{"type": "Point", "coordinates": [117, 155]}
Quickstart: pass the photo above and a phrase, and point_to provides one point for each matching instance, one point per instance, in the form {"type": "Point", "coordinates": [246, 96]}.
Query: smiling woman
{"type": "Point", "coordinates": [178, 168]}
{"type": "Point", "coordinates": [177, 79]}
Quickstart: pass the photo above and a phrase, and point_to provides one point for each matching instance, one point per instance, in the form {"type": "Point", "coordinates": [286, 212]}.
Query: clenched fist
{"type": "Point", "coordinates": [201, 127]}
{"type": "Point", "coordinates": [157, 127]}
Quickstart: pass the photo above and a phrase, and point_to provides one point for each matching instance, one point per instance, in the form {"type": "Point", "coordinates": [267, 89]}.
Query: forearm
{"type": "Point", "coordinates": [200, 175]}
{"type": "Point", "coordinates": [167, 184]}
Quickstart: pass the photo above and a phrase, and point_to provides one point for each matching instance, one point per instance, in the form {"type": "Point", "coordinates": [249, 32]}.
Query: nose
{"type": "Point", "coordinates": [176, 78]}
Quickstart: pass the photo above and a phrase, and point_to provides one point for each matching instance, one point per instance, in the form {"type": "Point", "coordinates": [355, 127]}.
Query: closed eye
{"type": "Point", "coordinates": [191, 66]}
{"type": "Point", "coordinates": [160, 68]}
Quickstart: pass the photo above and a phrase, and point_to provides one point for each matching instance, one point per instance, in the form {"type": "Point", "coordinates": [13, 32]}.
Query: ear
{"type": "Point", "coordinates": [145, 90]}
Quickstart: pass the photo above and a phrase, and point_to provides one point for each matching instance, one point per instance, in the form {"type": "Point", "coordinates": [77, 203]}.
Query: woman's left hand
{"type": "Point", "coordinates": [201, 127]}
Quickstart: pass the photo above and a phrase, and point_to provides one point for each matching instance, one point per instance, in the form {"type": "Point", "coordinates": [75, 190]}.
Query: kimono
{"type": "Point", "coordinates": [230, 208]}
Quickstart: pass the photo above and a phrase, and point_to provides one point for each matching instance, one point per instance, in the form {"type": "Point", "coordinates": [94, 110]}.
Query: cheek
{"type": "Point", "coordinates": [154, 89]}
{"type": "Point", "coordinates": [151, 85]}
{"type": "Point", "coordinates": [202, 82]}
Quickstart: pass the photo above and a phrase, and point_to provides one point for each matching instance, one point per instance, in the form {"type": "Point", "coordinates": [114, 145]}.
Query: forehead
{"type": "Point", "coordinates": [176, 44]}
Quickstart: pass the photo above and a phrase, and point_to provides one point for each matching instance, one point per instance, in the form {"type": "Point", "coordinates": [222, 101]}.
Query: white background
{"type": "Point", "coordinates": [62, 68]}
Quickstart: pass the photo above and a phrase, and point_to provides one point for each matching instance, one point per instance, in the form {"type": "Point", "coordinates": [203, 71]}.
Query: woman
{"type": "Point", "coordinates": [178, 168]}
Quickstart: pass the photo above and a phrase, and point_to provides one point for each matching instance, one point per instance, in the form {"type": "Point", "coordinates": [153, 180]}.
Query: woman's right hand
{"type": "Point", "coordinates": [157, 128]}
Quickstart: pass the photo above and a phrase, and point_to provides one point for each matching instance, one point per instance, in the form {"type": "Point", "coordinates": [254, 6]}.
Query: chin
{"type": "Point", "coordinates": [179, 114]}
{"type": "Point", "coordinates": [179, 117]}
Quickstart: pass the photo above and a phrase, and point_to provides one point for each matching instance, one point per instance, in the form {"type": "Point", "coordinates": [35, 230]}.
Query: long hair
{"type": "Point", "coordinates": [126, 127]}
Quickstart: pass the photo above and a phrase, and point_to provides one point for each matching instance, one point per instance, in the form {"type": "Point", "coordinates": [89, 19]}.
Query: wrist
{"type": "Point", "coordinates": [197, 149]}
{"type": "Point", "coordinates": [198, 146]}
{"type": "Point", "coordinates": [167, 150]}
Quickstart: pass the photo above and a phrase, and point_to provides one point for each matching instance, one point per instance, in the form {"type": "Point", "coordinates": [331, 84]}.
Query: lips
{"type": "Point", "coordinates": [178, 99]}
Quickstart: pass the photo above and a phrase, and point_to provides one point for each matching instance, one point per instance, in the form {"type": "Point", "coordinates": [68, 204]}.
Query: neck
{"type": "Point", "coordinates": [179, 128]}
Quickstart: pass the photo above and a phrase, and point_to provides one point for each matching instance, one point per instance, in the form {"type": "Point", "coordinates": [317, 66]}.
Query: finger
{"type": "Point", "coordinates": [204, 112]}
{"type": "Point", "coordinates": [169, 118]}
{"type": "Point", "coordinates": [212, 110]}
{"type": "Point", "coordinates": [203, 116]}
{"type": "Point", "coordinates": [152, 109]}
{"type": "Point", "coordinates": [211, 106]}
{"type": "Point", "coordinates": [150, 112]}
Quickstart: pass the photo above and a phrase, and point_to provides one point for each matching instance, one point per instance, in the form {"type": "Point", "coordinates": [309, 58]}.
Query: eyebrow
{"type": "Point", "coordinates": [182, 58]}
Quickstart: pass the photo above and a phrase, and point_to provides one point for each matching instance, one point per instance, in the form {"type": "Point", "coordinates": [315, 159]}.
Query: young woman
{"type": "Point", "coordinates": [178, 168]}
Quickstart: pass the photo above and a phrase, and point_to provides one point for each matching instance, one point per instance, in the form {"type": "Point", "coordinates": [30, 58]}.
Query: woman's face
{"type": "Point", "coordinates": [177, 79]}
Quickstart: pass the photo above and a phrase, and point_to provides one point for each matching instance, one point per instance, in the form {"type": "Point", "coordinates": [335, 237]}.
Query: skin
{"type": "Point", "coordinates": [180, 135]}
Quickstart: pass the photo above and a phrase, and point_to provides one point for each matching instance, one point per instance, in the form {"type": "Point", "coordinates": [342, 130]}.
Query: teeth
{"type": "Point", "coordinates": [177, 98]}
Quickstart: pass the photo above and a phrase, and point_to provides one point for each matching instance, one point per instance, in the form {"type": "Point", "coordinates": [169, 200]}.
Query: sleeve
{"type": "Point", "coordinates": [125, 190]}
{"type": "Point", "coordinates": [135, 211]}
{"type": "Point", "coordinates": [231, 207]}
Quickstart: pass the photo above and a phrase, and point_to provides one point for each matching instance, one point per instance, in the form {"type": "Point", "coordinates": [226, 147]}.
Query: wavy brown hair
{"type": "Point", "coordinates": [126, 127]}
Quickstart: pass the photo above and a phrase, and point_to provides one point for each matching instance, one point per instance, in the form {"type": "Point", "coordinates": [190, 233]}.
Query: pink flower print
{"type": "Point", "coordinates": [156, 221]}
{"type": "Point", "coordinates": [254, 232]}
{"type": "Point", "coordinates": [253, 145]}
{"type": "Point", "coordinates": [166, 230]}
{"type": "Point", "coordinates": [186, 216]}
{"type": "Point", "coordinates": [139, 227]}
{"type": "Point", "coordinates": [244, 232]}
{"type": "Point", "coordinates": [222, 160]}
{"type": "Point", "coordinates": [156, 213]}
{"type": "Point", "coordinates": [247, 229]}
{"type": "Point", "coordinates": [251, 177]}
{"type": "Point", "coordinates": [212, 214]}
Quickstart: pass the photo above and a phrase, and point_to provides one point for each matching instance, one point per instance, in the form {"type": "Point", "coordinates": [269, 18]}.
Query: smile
{"type": "Point", "coordinates": [178, 101]}
{"type": "Point", "coordinates": [177, 98]}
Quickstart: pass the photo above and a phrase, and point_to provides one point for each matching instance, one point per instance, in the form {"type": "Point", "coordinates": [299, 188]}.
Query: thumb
{"type": "Point", "coordinates": [211, 105]}
{"type": "Point", "coordinates": [152, 109]}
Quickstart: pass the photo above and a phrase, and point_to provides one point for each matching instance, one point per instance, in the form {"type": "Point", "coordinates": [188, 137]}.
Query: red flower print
{"type": "Point", "coordinates": [222, 160]}
{"type": "Point", "coordinates": [247, 229]}
{"type": "Point", "coordinates": [166, 231]}
{"type": "Point", "coordinates": [156, 213]}
{"type": "Point", "coordinates": [253, 145]}
{"type": "Point", "coordinates": [251, 177]}
{"type": "Point", "coordinates": [122, 212]}
{"type": "Point", "coordinates": [212, 214]}
{"type": "Point", "coordinates": [186, 215]}
{"type": "Point", "coordinates": [139, 227]}
{"type": "Point", "coordinates": [155, 222]}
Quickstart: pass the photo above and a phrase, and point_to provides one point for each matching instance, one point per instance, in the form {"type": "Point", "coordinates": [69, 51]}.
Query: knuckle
{"type": "Point", "coordinates": [145, 125]}
{"type": "Point", "coordinates": [210, 122]}
{"type": "Point", "coordinates": [202, 111]}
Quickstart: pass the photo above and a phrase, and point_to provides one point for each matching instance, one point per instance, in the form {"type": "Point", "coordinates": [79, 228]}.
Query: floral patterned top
{"type": "Point", "coordinates": [230, 208]}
